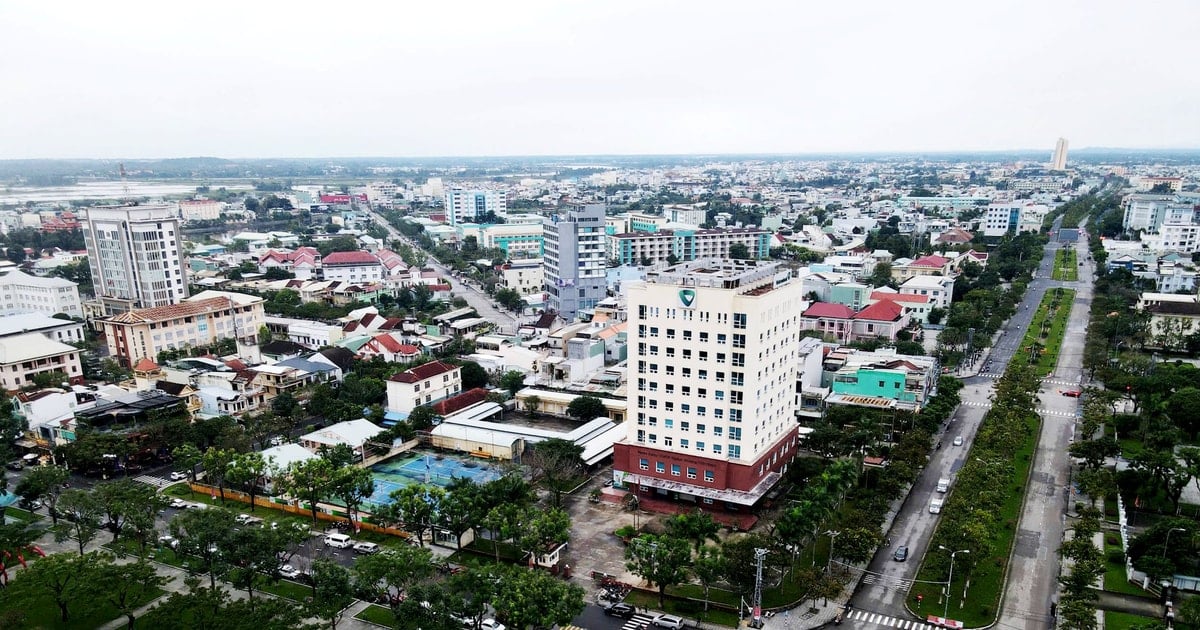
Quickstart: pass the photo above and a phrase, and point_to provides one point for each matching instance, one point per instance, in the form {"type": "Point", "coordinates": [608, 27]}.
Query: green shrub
{"type": "Point", "coordinates": [1116, 556]}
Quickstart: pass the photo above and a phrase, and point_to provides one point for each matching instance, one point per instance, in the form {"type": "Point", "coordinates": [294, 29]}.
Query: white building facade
{"type": "Point", "coordinates": [44, 294]}
{"type": "Point", "coordinates": [463, 205]}
{"type": "Point", "coordinates": [575, 260]}
{"type": "Point", "coordinates": [136, 256]}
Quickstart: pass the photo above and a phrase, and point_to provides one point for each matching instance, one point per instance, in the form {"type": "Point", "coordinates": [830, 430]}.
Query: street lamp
{"type": "Point", "coordinates": [832, 537]}
{"type": "Point", "coordinates": [946, 608]}
{"type": "Point", "coordinates": [1168, 542]}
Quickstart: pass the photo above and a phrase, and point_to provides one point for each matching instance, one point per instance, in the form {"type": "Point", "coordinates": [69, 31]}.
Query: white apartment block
{"type": "Point", "coordinates": [575, 263]}
{"type": "Point", "coordinates": [1000, 218]}
{"type": "Point", "coordinates": [516, 240]}
{"type": "Point", "coordinates": [61, 330]}
{"type": "Point", "coordinates": [463, 205]}
{"type": "Point", "coordinates": [713, 356]}
{"type": "Point", "coordinates": [634, 247]}
{"type": "Point", "coordinates": [354, 267]}
{"type": "Point", "coordinates": [200, 209]}
{"type": "Point", "coordinates": [1149, 212]}
{"type": "Point", "coordinates": [136, 256]}
{"type": "Point", "coordinates": [423, 385]}
{"type": "Point", "coordinates": [939, 289]}
{"type": "Point", "coordinates": [44, 294]}
{"type": "Point", "coordinates": [525, 276]}
{"type": "Point", "coordinates": [23, 357]}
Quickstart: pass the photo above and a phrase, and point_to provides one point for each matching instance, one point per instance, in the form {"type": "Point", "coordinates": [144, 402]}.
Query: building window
{"type": "Point", "coordinates": [739, 321]}
{"type": "Point", "coordinates": [659, 467]}
{"type": "Point", "coordinates": [735, 451]}
{"type": "Point", "coordinates": [709, 476]}
{"type": "Point", "coordinates": [683, 443]}
{"type": "Point", "coordinates": [675, 470]}
{"type": "Point", "coordinates": [644, 464]}
{"type": "Point", "coordinates": [691, 472]}
{"type": "Point", "coordinates": [700, 446]}
{"type": "Point", "coordinates": [716, 449]}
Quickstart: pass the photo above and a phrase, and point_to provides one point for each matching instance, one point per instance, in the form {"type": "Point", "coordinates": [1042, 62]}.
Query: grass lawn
{"type": "Point", "coordinates": [285, 588]}
{"type": "Point", "coordinates": [43, 613]}
{"type": "Point", "coordinates": [22, 515]}
{"type": "Point", "coordinates": [1124, 621]}
{"type": "Point", "coordinates": [1057, 327]}
{"type": "Point", "coordinates": [1114, 575]}
{"type": "Point", "coordinates": [377, 614]}
{"type": "Point", "coordinates": [1066, 266]}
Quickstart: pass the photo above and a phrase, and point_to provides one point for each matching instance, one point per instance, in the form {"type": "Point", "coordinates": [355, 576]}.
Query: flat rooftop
{"type": "Point", "coordinates": [719, 273]}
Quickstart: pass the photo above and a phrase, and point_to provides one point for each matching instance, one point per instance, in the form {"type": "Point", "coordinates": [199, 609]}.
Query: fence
{"type": "Point", "coordinates": [324, 512]}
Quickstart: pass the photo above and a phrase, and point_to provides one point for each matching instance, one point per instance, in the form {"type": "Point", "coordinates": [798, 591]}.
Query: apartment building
{"type": "Point", "coordinates": [684, 245]}
{"type": "Point", "coordinates": [197, 321]}
{"type": "Point", "coordinates": [24, 357]}
{"type": "Point", "coordinates": [880, 379]}
{"type": "Point", "coordinates": [575, 261]}
{"type": "Point", "coordinates": [463, 205]}
{"type": "Point", "coordinates": [61, 330]}
{"type": "Point", "coordinates": [1001, 218]}
{"type": "Point", "coordinates": [423, 385]}
{"type": "Point", "coordinates": [44, 294]}
{"type": "Point", "coordinates": [200, 209]}
{"type": "Point", "coordinates": [136, 256]}
{"type": "Point", "coordinates": [354, 267]}
{"type": "Point", "coordinates": [523, 276]}
{"type": "Point", "coordinates": [711, 392]}
{"type": "Point", "coordinates": [939, 289]}
{"type": "Point", "coordinates": [516, 240]}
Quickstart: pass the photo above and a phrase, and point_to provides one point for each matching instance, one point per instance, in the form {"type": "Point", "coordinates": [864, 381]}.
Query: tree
{"type": "Point", "coordinates": [16, 539]}
{"type": "Point", "coordinates": [199, 607]}
{"type": "Point", "coordinates": [332, 591]}
{"type": "Point", "coordinates": [708, 567]}
{"type": "Point", "coordinates": [352, 485]}
{"type": "Point", "coordinates": [739, 251]}
{"type": "Point", "coordinates": [46, 483]}
{"type": "Point", "coordinates": [531, 404]}
{"type": "Point", "coordinates": [585, 408]}
{"type": "Point", "coordinates": [558, 464]}
{"type": "Point", "coordinates": [81, 517]}
{"type": "Point", "coordinates": [126, 587]}
{"type": "Point", "coordinates": [201, 534]}
{"type": "Point", "coordinates": [459, 510]}
{"type": "Point", "coordinates": [534, 598]}
{"type": "Point", "coordinates": [11, 429]}
{"type": "Point", "coordinates": [64, 578]}
{"type": "Point", "coordinates": [413, 507]}
{"type": "Point", "coordinates": [253, 552]}
{"type": "Point", "coordinates": [510, 299]}
{"type": "Point", "coordinates": [421, 417]}
{"type": "Point", "coordinates": [661, 560]}
{"type": "Point", "coordinates": [473, 375]}
{"type": "Point", "coordinates": [696, 526]}
{"type": "Point", "coordinates": [250, 471]}
{"type": "Point", "coordinates": [285, 406]}
{"type": "Point", "coordinates": [116, 499]}
{"type": "Point", "coordinates": [882, 274]}
{"type": "Point", "coordinates": [389, 573]}
{"type": "Point", "coordinates": [216, 467]}
{"type": "Point", "coordinates": [141, 508]}
{"type": "Point", "coordinates": [935, 315]}
{"type": "Point", "coordinates": [857, 544]}
{"type": "Point", "coordinates": [513, 381]}
{"type": "Point", "coordinates": [308, 481]}
{"type": "Point", "coordinates": [188, 456]}
{"type": "Point", "coordinates": [544, 531]}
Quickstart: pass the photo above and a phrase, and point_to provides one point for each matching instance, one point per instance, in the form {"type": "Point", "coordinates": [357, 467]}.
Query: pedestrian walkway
{"type": "Point", "coordinates": [637, 622]}
{"type": "Point", "coordinates": [889, 622]}
{"type": "Point", "coordinates": [887, 582]}
{"type": "Point", "coordinates": [157, 482]}
{"type": "Point", "coordinates": [1060, 414]}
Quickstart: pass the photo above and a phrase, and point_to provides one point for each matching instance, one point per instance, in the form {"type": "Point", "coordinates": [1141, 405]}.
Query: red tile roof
{"type": "Point", "coordinates": [829, 309]}
{"type": "Point", "coordinates": [929, 261]}
{"type": "Point", "coordinates": [900, 297]}
{"type": "Point", "coordinates": [422, 372]}
{"type": "Point", "coordinates": [408, 349]}
{"type": "Point", "coordinates": [350, 258]}
{"type": "Point", "coordinates": [172, 311]}
{"type": "Point", "coordinates": [145, 365]}
{"type": "Point", "coordinates": [387, 342]}
{"type": "Point", "coordinates": [885, 311]}
{"type": "Point", "coordinates": [460, 402]}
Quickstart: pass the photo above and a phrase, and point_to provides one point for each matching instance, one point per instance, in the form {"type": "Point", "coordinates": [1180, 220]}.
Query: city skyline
{"type": "Point", "coordinates": [476, 79]}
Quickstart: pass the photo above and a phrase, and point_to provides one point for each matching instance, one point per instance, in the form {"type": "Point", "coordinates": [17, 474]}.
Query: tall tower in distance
{"type": "Point", "coordinates": [1059, 161]}
{"type": "Point", "coordinates": [136, 256]}
{"type": "Point", "coordinates": [574, 260]}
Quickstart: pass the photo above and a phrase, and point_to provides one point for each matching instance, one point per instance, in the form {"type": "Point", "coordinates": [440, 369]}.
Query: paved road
{"type": "Point", "coordinates": [884, 589]}
{"type": "Point", "coordinates": [480, 301]}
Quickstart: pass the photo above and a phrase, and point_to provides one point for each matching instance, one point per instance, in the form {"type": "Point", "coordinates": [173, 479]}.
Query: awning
{"type": "Point", "coordinates": [26, 443]}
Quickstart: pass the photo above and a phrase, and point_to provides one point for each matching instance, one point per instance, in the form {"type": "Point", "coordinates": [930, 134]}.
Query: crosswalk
{"type": "Point", "coordinates": [157, 482]}
{"type": "Point", "coordinates": [972, 403]}
{"type": "Point", "coordinates": [899, 584]}
{"type": "Point", "coordinates": [889, 622]}
{"type": "Point", "coordinates": [1047, 381]}
{"type": "Point", "coordinates": [637, 622]}
{"type": "Point", "coordinates": [990, 375]}
{"type": "Point", "coordinates": [1044, 412]}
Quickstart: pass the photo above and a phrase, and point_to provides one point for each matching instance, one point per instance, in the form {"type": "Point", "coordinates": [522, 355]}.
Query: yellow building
{"type": "Point", "coordinates": [200, 320]}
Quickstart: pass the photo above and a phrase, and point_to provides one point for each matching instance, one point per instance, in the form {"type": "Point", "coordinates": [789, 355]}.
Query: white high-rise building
{"type": "Point", "coordinates": [713, 361]}
{"type": "Point", "coordinates": [575, 260]}
{"type": "Point", "coordinates": [1059, 161]}
{"type": "Point", "coordinates": [462, 205]}
{"type": "Point", "coordinates": [136, 256]}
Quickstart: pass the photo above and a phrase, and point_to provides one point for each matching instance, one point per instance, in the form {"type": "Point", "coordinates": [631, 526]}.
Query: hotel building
{"type": "Point", "coordinates": [712, 388]}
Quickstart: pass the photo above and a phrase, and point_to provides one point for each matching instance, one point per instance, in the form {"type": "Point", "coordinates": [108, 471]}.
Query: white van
{"type": "Point", "coordinates": [341, 541]}
{"type": "Point", "coordinates": [935, 506]}
{"type": "Point", "coordinates": [943, 484]}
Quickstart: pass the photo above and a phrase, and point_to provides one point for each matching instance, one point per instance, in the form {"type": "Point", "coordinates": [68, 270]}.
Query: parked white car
{"type": "Point", "coordinates": [178, 476]}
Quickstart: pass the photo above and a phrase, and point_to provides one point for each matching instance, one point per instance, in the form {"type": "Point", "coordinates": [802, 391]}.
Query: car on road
{"type": "Point", "coordinates": [620, 609]}
{"type": "Point", "coordinates": [178, 504]}
{"type": "Point", "coordinates": [366, 548]}
{"type": "Point", "coordinates": [341, 541]}
{"type": "Point", "coordinates": [901, 553]}
{"type": "Point", "coordinates": [958, 440]}
{"type": "Point", "coordinates": [935, 506]}
{"type": "Point", "coordinates": [289, 572]}
{"type": "Point", "coordinates": [277, 440]}
{"type": "Point", "coordinates": [15, 465]}
{"type": "Point", "coordinates": [1073, 393]}
{"type": "Point", "coordinates": [168, 540]}
{"type": "Point", "coordinates": [178, 476]}
{"type": "Point", "coordinates": [667, 621]}
{"type": "Point", "coordinates": [491, 624]}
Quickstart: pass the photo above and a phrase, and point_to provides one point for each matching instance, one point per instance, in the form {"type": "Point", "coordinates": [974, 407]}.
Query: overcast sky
{"type": "Point", "coordinates": [507, 77]}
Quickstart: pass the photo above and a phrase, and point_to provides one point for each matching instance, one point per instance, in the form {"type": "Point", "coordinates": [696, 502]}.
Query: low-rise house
{"type": "Point", "coordinates": [24, 357]}
{"type": "Point", "coordinates": [924, 266]}
{"type": "Point", "coordinates": [63, 330]}
{"type": "Point", "coordinates": [881, 320]}
{"type": "Point", "coordinates": [352, 433]}
{"type": "Point", "coordinates": [200, 320]}
{"type": "Point", "coordinates": [1173, 318]}
{"type": "Point", "coordinates": [916, 307]}
{"type": "Point", "coordinates": [939, 289]}
{"type": "Point", "coordinates": [881, 379]}
{"type": "Point", "coordinates": [831, 320]}
{"type": "Point", "coordinates": [423, 385]}
{"type": "Point", "coordinates": [49, 295]}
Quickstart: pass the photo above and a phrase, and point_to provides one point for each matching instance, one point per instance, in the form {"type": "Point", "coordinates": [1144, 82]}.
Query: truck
{"type": "Point", "coordinates": [943, 484]}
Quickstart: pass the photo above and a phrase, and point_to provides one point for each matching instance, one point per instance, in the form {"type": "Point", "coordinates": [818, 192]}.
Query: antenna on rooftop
{"type": "Point", "coordinates": [124, 185]}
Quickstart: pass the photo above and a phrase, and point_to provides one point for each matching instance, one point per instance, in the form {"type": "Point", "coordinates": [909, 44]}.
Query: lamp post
{"type": "Point", "coordinates": [833, 534]}
{"type": "Point", "coordinates": [946, 607]}
{"type": "Point", "coordinates": [1168, 541]}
